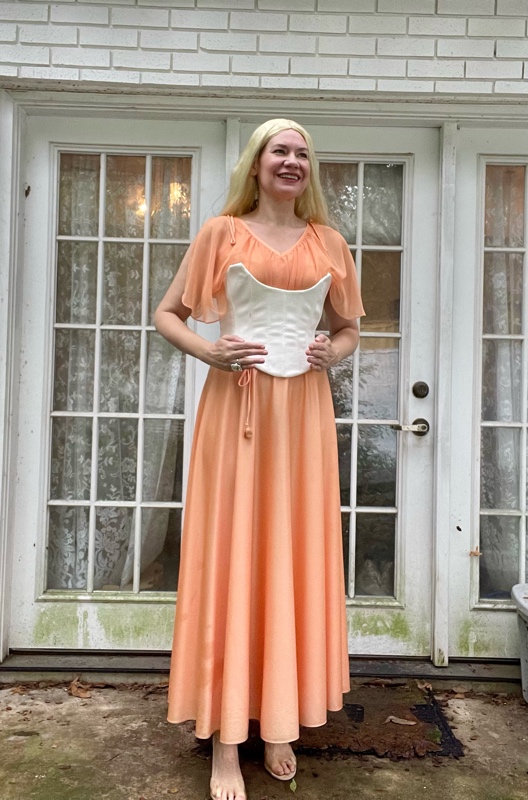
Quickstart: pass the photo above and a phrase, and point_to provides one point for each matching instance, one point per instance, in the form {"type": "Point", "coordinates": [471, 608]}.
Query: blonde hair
{"type": "Point", "coordinates": [243, 187]}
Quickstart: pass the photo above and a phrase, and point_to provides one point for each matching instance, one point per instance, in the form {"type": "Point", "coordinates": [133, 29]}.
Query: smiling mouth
{"type": "Point", "coordinates": [288, 176]}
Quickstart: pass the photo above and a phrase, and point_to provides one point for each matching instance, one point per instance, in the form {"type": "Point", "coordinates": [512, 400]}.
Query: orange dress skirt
{"type": "Point", "coordinates": [260, 629]}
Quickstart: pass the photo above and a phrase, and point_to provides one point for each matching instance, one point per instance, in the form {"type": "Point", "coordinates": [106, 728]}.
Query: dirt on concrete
{"type": "Point", "coordinates": [103, 743]}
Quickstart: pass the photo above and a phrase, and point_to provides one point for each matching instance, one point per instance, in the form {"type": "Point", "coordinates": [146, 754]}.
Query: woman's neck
{"type": "Point", "coordinates": [280, 215]}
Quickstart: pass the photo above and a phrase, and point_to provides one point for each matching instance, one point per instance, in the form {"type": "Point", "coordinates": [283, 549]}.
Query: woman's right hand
{"type": "Point", "coordinates": [230, 348]}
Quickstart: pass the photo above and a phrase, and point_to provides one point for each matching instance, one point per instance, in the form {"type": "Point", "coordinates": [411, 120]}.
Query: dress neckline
{"type": "Point", "coordinates": [268, 246]}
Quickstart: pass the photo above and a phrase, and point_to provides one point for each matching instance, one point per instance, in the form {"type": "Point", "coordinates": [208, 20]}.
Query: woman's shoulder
{"type": "Point", "coordinates": [332, 238]}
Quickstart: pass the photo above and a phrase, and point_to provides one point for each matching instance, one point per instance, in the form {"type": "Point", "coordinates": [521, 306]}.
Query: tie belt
{"type": "Point", "coordinates": [246, 381]}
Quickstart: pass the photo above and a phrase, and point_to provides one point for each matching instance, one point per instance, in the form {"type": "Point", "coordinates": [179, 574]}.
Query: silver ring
{"type": "Point", "coordinates": [236, 366]}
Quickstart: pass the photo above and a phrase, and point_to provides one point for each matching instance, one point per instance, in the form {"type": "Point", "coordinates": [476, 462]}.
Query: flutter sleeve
{"type": "Point", "coordinates": [344, 294]}
{"type": "Point", "coordinates": [205, 262]}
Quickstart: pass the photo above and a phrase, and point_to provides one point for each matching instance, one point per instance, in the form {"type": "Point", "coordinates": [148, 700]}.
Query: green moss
{"type": "Point", "coordinates": [57, 625]}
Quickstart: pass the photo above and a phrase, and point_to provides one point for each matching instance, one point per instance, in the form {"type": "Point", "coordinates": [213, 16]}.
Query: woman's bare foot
{"type": "Point", "coordinates": [226, 779]}
{"type": "Point", "coordinates": [280, 761]}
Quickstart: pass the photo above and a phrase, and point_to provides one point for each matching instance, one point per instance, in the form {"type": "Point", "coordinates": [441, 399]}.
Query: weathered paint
{"type": "Point", "coordinates": [408, 636]}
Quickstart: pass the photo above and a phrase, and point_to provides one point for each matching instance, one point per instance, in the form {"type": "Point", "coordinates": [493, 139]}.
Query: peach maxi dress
{"type": "Point", "coordinates": [260, 627]}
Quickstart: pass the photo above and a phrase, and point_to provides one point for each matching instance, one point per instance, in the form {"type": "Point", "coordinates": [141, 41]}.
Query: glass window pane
{"type": "Point", "coordinates": [499, 468]}
{"type": "Point", "coordinates": [376, 466]}
{"type": "Point", "coordinates": [378, 378]}
{"type": "Point", "coordinates": [125, 196]}
{"type": "Point", "coordinates": [504, 224]}
{"type": "Point", "coordinates": [171, 197]}
{"type": "Point", "coordinates": [380, 289]}
{"type": "Point", "coordinates": [163, 460]}
{"type": "Point", "coordinates": [79, 194]}
{"type": "Point", "coordinates": [345, 527]}
{"type": "Point", "coordinates": [341, 382]}
{"type": "Point", "coordinates": [340, 187]}
{"type": "Point", "coordinates": [68, 547]}
{"type": "Point", "coordinates": [503, 290]}
{"type": "Point", "coordinates": [122, 284]}
{"type": "Point", "coordinates": [71, 458]}
{"type": "Point", "coordinates": [114, 549]}
{"type": "Point", "coordinates": [382, 204]}
{"type": "Point", "coordinates": [499, 562]}
{"type": "Point", "coordinates": [74, 370]}
{"type": "Point", "coordinates": [120, 371]}
{"type": "Point", "coordinates": [501, 380]}
{"type": "Point", "coordinates": [160, 554]}
{"type": "Point", "coordinates": [117, 459]}
{"type": "Point", "coordinates": [375, 553]}
{"type": "Point", "coordinates": [165, 389]}
{"type": "Point", "coordinates": [165, 260]}
{"type": "Point", "coordinates": [76, 282]}
{"type": "Point", "coordinates": [344, 445]}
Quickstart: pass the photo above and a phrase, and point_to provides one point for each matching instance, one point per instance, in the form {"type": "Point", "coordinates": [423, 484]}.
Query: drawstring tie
{"type": "Point", "coordinates": [231, 229]}
{"type": "Point", "coordinates": [247, 379]}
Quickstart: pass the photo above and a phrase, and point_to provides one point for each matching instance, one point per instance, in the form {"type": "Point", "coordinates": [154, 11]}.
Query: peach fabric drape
{"type": "Point", "coordinates": [260, 627]}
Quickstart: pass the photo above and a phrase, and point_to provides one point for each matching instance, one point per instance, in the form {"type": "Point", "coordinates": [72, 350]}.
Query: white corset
{"type": "Point", "coordinates": [283, 320]}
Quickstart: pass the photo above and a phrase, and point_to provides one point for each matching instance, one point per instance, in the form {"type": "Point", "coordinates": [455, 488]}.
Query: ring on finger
{"type": "Point", "coordinates": [236, 366]}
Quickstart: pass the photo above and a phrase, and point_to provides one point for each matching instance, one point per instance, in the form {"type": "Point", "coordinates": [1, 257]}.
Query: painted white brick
{"type": "Point", "coordinates": [141, 60]}
{"type": "Point", "coordinates": [425, 87]}
{"type": "Point", "coordinates": [347, 45]}
{"type": "Point", "coordinates": [496, 27]}
{"type": "Point", "coordinates": [24, 11]}
{"type": "Point", "coordinates": [466, 7]}
{"type": "Point", "coordinates": [108, 37]}
{"type": "Point", "coordinates": [50, 73]}
{"type": "Point", "coordinates": [8, 72]}
{"type": "Point", "coordinates": [47, 34]}
{"type": "Point", "coordinates": [375, 24]}
{"type": "Point", "coordinates": [241, 81]}
{"type": "Point", "coordinates": [200, 62]}
{"type": "Point", "coordinates": [80, 57]}
{"type": "Point", "coordinates": [359, 6]}
{"type": "Point", "coordinates": [228, 41]}
{"type": "Point", "coordinates": [285, 43]}
{"type": "Point", "coordinates": [466, 48]}
{"type": "Point", "coordinates": [75, 12]}
{"type": "Point", "coordinates": [286, 5]}
{"type": "Point", "coordinates": [260, 64]}
{"type": "Point", "coordinates": [142, 17]}
{"type": "Point", "coordinates": [175, 4]}
{"type": "Point", "coordinates": [464, 87]}
{"type": "Point", "coordinates": [226, 4]}
{"type": "Point", "coordinates": [319, 66]}
{"type": "Point", "coordinates": [8, 33]}
{"type": "Point", "coordinates": [24, 54]}
{"type": "Point", "coordinates": [347, 84]}
{"type": "Point", "coordinates": [408, 6]}
{"type": "Point", "coordinates": [202, 20]}
{"type": "Point", "coordinates": [405, 46]}
{"type": "Point", "coordinates": [512, 48]}
{"type": "Point", "coordinates": [511, 87]}
{"type": "Point", "coordinates": [494, 69]}
{"type": "Point", "coordinates": [109, 76]}
{"type": "Point", "coordinates": [435, 69]}
{"type": "Point", "coordinates": [170, 79]}
{"type": "Point", "coordinates": [376, 66]}
{"type": "Point", "coordinates": [318, 23]}
{"type": "Point", "coordinates": [438, 26]}
{"type": "Point", "coordinates": [247, 21]}
{"type": "Point", "coordinates": [169, 40]}
{"type": "Point", "coordinates": [288, 83]}
{"type": "Point", "coordinates": [515, 8]}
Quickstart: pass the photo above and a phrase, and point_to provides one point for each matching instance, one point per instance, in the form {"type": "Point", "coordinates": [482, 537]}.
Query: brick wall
{"type": "Point", "coordinates": [421, 46]}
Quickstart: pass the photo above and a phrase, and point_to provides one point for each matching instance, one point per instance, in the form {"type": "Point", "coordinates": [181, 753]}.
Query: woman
{"type": "Point", "coordinates": [260, 623]}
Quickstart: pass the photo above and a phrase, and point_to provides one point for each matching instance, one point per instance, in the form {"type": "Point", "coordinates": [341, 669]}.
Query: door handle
{"type": "Point", "coordinates": [419, 427]}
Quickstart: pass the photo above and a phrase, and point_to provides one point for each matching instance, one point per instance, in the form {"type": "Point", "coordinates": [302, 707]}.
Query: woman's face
{"type": "Point", "coordinates": [283, 167]}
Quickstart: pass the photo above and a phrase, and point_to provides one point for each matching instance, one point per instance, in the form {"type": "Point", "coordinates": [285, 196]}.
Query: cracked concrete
{"type": "Point", "coordinates": [116, 745]}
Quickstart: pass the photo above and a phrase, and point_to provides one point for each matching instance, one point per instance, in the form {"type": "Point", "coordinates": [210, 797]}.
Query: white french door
{"type": "Point", "coordinates": [490, 382]}
{"type": "Point", "coordinates": [106, 405]}
{"type": "Point", "coordinates": [382, 188]}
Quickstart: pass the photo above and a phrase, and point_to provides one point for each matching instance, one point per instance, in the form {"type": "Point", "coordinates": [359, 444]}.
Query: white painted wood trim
{"type": "Point", "coordinates": [232, 146]}
{"type": "Point", "coordinates": [442, 432]}
{"type": "Point", "coordinates": [9, 249]}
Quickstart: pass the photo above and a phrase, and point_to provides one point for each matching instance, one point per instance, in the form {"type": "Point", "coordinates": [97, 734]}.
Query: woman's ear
{"type": "Point", "coordinates": [254, 169]}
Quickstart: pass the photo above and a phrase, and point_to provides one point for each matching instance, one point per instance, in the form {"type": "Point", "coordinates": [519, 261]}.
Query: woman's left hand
{"type": "Point", "coordinates": [321, 353]}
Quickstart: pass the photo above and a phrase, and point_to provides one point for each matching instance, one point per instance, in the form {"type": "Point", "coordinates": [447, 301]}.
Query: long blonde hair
{"type": "Point", "coordinates": [243, 187]}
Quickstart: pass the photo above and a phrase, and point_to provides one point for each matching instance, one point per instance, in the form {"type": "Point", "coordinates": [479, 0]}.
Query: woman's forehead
{"type": "Point", "coordinates": [288, 136]}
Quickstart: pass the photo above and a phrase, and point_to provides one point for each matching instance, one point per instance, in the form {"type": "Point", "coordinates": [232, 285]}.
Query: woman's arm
{"type": "Point", "coordinates": [326, 351]}
{"type": "Point", "coordinates": [170, 318]}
